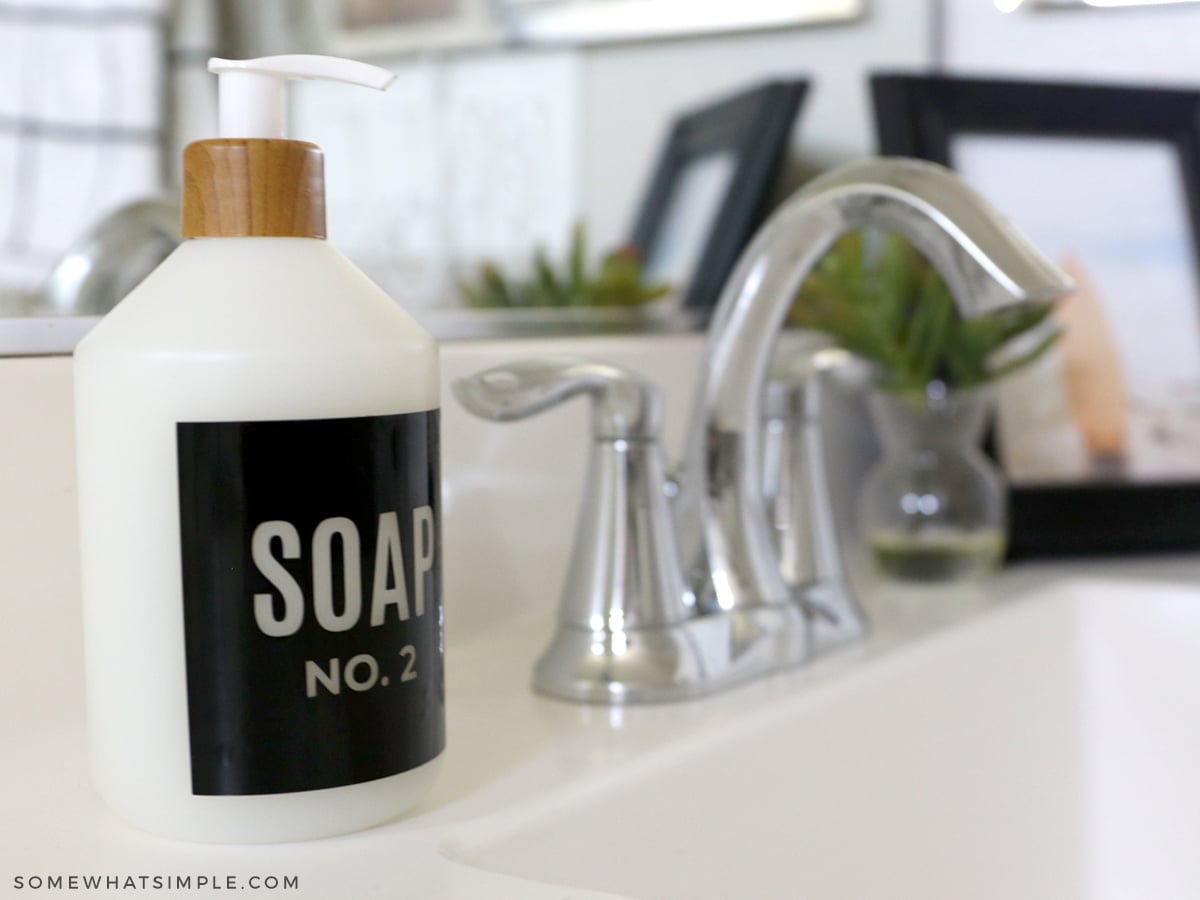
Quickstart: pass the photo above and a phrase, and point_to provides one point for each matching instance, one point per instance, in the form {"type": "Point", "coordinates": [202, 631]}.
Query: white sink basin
{"type": "Point", "coordinates": [1050, 749]}
{"type": "Point", "coordinates": [1042, 751]}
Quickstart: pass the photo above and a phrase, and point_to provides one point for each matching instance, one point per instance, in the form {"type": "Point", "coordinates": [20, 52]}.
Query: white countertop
{"type": "Point", "coordinates": [506, 747]}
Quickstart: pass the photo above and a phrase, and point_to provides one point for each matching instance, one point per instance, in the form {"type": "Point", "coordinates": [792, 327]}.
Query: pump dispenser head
{"type": "Point", "coordinates": [252, 93]}
{"type": "Point", "coordinates": [252, 181]}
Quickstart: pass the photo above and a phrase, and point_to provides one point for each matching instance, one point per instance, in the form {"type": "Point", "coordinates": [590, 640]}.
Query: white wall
{"type": "Point", "coordinates": [1155, 44]}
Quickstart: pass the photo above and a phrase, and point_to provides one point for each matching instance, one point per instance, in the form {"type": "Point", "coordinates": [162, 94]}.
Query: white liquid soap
{"type": "Point", "coordinates": [257, 429]}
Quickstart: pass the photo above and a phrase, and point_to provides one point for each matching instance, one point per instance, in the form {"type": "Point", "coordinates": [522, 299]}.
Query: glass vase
{"type": "Point", "coordinates": [934, 508]}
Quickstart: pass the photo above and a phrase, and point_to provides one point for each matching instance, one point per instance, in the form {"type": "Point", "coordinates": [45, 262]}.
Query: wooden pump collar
{"type": "Point", "coordinates": [252, 187]}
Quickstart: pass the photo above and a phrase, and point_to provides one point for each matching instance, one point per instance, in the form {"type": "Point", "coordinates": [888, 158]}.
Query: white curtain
{"type": "Point", "coordinates": [82, 107]}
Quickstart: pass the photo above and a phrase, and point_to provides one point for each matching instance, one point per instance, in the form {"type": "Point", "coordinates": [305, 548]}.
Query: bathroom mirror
{"type": "Point", "coordinates": [602, 21]}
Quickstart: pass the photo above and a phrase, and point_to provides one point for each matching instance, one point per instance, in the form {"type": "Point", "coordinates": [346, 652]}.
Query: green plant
{"type": "Point", "coordinates": [619, 281]}
{"type": "Point", "coordinates": [880, 299]}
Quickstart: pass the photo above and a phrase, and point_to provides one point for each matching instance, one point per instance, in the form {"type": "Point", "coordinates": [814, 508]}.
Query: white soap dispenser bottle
{"type": "Point", "coordinates": [257, 429]}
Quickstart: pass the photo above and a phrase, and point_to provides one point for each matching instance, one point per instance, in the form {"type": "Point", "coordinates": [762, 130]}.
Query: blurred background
{"type": "Point", "coordinates": [511, 120]}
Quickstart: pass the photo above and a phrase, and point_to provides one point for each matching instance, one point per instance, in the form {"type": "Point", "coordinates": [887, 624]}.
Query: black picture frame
{"type": "Point", "coordinates": [754, 127]}
{"type": "Point", "coordinates": [919, 116]}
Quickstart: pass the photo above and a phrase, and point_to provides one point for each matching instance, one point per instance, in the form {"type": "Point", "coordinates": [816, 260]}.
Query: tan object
{"type": "Point", "coordinates": [253, 187]}
{"type": "Point", "coordinates": [1092, 370]}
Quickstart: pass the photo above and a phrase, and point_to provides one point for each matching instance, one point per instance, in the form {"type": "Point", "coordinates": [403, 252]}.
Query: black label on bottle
{"type": "Point", "coordinates": [312, 599]}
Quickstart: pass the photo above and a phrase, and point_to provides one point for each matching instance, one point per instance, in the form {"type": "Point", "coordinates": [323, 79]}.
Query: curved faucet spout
{"type": "Point", "coordinates": [721, 518]}
{"type": "Point", "coordinates": [986, 262]}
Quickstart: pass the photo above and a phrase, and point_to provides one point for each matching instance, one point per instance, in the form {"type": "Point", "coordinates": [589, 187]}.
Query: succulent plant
{"type": "Point", "coordinates": [619, 281]}
{"type": "Point", "coordinates": [880, 299]}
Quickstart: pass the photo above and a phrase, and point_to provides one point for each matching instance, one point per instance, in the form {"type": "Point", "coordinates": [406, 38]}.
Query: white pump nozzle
{"type": "Point", "coordinates": [252, 95]}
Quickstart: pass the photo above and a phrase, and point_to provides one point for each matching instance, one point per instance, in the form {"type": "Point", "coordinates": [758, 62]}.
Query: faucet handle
{"type": "Point", "coordinates": [797, 485]}
{"type": "Point", "coordinates": [620, 635]}
{"type": "Point", "coordinates": [625, 406]}
{"type": "Point", "coordinates": [795, 479]}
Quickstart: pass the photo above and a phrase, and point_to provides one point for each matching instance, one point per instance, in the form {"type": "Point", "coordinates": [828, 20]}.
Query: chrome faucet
{"type": "Point", "coordinates": [729, 614]}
